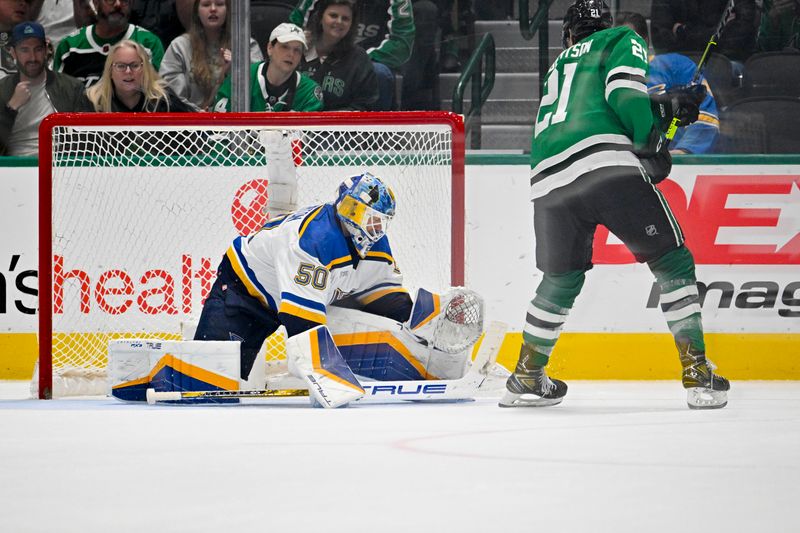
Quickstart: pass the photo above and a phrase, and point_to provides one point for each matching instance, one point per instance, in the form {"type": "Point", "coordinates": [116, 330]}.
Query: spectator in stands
{"type": "Point", "coordinates": [83, 53]}
{"type": "Point", "coordinates": [673, 70]}
{"type": "Point", "coordinates": [130, 84]}
{"type": "Point", "coordinates": [422, 68]}
{"type": "Point", "coordinates": [12, 12]}
{"type": "Point", "coordinates": [59, 18]}
{"type": "Point", "coordinates": [386, 32]}
{"type": "Point", "coordinates": [687, 25]}
{"type": "Point", "coordinates": [197, 62]}
{"type": "Point", "coordinates": [780, 26]}
{"type": "Point", "coordinates": [33, 92]}
{"type": "Point", "coordinates": [275, 84]}
{"type": "Point", "coordinates": [342, 69]}
{"type": "Point", "coordinates": [158, 16]}
{"type": "Point", "coordinates": [450, 56]}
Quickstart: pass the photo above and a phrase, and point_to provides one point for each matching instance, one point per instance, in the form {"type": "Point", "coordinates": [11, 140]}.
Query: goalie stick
{"type": "Point", "coordinates": [712, 42]}
{"type": "Point", "coordinates": [463, 388]}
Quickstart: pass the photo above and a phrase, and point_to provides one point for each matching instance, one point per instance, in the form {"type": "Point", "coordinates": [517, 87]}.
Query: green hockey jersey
{"type": "Point", "coordinates": [305, 95]}
{"type": "Point", "coordinates": [594, 111]}
{"type": "Point", "coordinates": [82, 54]}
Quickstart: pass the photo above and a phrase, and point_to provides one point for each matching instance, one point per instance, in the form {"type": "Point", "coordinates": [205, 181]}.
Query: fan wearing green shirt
{"type": "Point", "coordinates": [275, 84]}
{"type": "Point", "coordinates": [82, 54]}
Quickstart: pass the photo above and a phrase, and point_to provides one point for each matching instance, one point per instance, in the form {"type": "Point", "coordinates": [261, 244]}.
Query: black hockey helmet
{"type": "Point", "coordinates": [585, 17]}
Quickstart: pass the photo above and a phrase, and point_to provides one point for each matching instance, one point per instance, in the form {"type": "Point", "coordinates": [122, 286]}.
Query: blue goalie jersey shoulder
{"type": "Point", "coordinates": [321, 237]}
{"type": "Point", "coordinates": [380, 251]}
{"type": "Point", "coordinates": [671, 70]}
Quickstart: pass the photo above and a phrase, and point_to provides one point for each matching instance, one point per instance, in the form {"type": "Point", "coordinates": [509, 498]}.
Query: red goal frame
{"type": "Point", "coordinates": [410, 118]}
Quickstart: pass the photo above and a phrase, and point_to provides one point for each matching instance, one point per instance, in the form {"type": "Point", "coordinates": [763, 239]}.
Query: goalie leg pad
{"type": "Point", "coordinates": [314, 358]}
{"type": "Point", "coordinates": [377, 347]}
{"type": "Point", "coordinates": [136, 365]}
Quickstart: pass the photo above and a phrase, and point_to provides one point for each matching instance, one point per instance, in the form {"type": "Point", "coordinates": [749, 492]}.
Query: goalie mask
{"type": "Point", "coordinates": [583, 18]}
{"type": "Point", "coordinates": [365, 206]}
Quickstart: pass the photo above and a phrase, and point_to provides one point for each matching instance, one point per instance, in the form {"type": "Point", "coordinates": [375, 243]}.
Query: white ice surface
{"type": "Point", "coordinates": [615, 456]}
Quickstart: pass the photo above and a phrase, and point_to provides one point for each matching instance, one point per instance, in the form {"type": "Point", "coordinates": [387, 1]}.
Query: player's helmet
{"type": "Point", "coordinates": [365, 205]}
{"type": "Point", "coordinates": [585, 17]}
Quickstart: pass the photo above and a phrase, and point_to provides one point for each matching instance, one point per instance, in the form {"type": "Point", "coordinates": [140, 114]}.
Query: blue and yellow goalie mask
{"type": "Point", "coordinates": [365, 206]}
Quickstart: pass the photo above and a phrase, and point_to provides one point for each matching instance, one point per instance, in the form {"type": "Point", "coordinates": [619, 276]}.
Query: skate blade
{"type": "Point", "coordinates": [526, 400]}
{"type": "Point", "coordinates": [703, 398]}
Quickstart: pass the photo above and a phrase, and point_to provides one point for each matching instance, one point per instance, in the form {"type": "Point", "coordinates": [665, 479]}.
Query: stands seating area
{"type": "Point", "coordinates": [757, 110]}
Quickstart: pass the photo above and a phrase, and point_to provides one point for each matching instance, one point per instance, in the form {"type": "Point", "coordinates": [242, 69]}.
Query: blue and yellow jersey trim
{"type": "Point", "coordinates": [274, 223]}
{"type": "Point", "coordinates": [321, 237]}
{"type": "Point", "coordinates": [377, 255]}
{"type": "Point", "coordinates": [247, 276]}
{"type": "Point", "coordinates": [377, 292]}
{"type": "Point", "coordinates": [292, 304]}
{"type": "Point", "coordinates": [708, 119]}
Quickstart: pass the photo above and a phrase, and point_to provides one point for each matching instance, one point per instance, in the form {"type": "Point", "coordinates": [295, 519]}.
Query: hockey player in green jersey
{"type": "Point", "coordinates": [596, 155]}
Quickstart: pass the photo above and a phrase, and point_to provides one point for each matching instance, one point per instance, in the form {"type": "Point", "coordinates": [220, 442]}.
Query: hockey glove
{"type": "Point", "coordinates": [655, 157]}
{"type": "Point", "coordinates": [682, 103]}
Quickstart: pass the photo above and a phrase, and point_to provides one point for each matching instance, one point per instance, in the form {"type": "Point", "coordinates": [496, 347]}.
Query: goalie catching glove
{"type": "Point", "coordinates": [451, 322]}
{"type": "Point", "coordinates": [682, 103]}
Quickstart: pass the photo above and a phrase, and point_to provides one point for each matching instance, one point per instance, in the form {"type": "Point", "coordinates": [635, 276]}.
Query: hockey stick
{"type": "Point", "coordinates": [170, 396]}
{"type": "Point", "coordinates": [712, 42]}
{"type": "Point", "coordinates": [380, 391]}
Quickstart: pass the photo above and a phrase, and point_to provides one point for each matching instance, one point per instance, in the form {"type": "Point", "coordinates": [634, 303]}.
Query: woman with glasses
{"type": "Point", "coordinates": [130, 84]}
{"type": "Point", "coordinates": [82, 54]}
{"type": "Point", "coordinates": [197, 62]}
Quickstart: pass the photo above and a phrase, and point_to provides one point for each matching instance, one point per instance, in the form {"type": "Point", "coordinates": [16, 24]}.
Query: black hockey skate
{"type": "Point", "coordinates": [705, 390]}
{"type": "Point", "coordinates": [532, 388]}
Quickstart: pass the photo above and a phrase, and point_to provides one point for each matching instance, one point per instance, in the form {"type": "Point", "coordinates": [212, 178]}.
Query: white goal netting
{"type": "Point", "coordinates": [141, 215]}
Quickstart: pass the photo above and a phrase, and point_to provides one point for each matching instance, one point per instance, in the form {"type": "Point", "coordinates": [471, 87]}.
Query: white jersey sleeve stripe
{"type": "Point", "coordinates": [625, 84]}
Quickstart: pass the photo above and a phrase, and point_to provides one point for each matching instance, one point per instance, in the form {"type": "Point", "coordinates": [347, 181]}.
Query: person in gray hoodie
{"type": "Point", "coordinates": [196, 63]}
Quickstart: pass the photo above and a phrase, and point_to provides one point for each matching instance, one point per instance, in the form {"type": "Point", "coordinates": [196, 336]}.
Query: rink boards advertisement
{"type": "Point", "coordinates": [741, 219]}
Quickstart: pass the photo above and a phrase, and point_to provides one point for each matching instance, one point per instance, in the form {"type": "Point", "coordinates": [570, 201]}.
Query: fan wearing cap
{"type": "Point", "coordinates": [275, 84]}
{"type": "Point", "coordinates": [12, 12]}
{"type": "Point", "coordinates": [33, 92]}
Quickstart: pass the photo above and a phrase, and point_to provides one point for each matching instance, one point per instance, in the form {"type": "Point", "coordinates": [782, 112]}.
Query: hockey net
{"type": "Point", "coordinates": [136, 212]}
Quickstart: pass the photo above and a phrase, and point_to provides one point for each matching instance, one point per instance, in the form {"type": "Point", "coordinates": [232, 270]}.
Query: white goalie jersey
{"type": "Point", "coordinates": [301, 264]}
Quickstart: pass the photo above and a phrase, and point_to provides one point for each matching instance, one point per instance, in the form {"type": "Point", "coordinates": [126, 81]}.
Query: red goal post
{"type": "Point", "coordinates": [135, 211]}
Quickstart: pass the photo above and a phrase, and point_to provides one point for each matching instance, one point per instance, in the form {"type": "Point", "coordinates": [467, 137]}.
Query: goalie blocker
{"type": "Point", "coordinates": [413, 359]}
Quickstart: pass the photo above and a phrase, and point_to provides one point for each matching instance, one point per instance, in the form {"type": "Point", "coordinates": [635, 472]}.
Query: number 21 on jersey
{"type": "Point", "coordinates": [557, 89]}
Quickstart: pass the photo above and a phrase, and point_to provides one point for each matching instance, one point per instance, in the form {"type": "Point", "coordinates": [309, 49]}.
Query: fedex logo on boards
{"type": "Point", "coordinates": [728, 219]}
